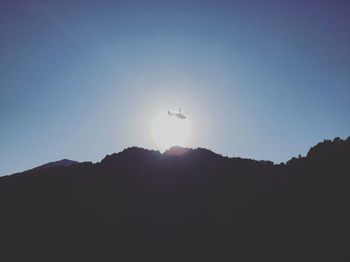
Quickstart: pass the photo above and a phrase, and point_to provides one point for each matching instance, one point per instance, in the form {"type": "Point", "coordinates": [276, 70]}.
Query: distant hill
{"type": "Point", "coordinates": [183, 205]}
{"type": "Point", "coordinates": [60, 163]}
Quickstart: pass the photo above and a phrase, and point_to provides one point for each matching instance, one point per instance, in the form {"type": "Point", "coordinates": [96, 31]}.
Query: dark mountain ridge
{"type": "Point", "coordinates": [182, 205]}
{"type": "Point", "coordinates": [59, 163]}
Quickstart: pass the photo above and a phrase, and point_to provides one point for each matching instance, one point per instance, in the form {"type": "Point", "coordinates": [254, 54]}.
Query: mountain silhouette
{"type": "Point", "coordinates": [182, 205]}
{"type": "Point", "coordinates": [59, 163]}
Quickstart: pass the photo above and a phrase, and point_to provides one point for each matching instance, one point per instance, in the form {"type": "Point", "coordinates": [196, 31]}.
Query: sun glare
{"type": "Point", "coordinates": [168, 131]}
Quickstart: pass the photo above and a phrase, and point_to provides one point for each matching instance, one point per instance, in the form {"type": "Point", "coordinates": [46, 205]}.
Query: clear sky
{"type": "Point", "coordinates": [258, 79]}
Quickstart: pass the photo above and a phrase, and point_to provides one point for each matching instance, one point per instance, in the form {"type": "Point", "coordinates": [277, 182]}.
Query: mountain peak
{"type": "Point", "coordinates": [177, 150]}
{"type": "Point", "coordinates": [59, 163]}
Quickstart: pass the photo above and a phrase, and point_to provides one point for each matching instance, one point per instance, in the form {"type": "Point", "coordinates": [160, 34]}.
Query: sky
{"type": "Point", "coordinates": [80, 79]}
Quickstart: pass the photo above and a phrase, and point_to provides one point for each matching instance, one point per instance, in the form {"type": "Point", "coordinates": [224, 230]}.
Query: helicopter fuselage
{"type": "Point", "coordinates": [177, 115]}
{"type": "Point", "coordinates": [180, 116]}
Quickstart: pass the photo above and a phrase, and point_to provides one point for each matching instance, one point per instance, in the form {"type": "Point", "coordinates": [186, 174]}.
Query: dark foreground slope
{"type": "Point", "coordinates": [140, 205]}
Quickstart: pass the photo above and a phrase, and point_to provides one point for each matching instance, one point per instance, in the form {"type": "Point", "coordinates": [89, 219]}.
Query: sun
{"type": "Point", "coordinates": [168, 131]}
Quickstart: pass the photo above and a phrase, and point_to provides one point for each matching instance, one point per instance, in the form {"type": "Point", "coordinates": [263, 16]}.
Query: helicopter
{"type": "Point", "coordinates": [178, 115]}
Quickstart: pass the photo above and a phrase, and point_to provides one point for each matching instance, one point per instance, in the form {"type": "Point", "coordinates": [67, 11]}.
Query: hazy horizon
{"type": "Point", "coordinates": [160, 151]}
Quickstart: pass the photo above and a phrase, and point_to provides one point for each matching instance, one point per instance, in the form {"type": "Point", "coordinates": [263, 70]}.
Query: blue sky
{"type": "Point", "coordinates": [82, 79]}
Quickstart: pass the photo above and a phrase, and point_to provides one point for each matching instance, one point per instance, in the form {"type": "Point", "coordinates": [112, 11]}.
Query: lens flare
{"type": "Point", "coordinates": [168, 131]}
